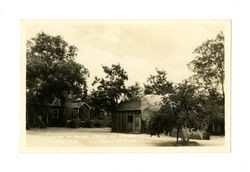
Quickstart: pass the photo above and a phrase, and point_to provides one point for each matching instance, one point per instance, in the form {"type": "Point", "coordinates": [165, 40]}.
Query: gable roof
{"type": "Point", "coordinates": [76, 105]}
{"type": "Point", "coordinates": [129, 105]}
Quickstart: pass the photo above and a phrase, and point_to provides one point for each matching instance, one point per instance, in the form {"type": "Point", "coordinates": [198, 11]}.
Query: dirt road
{"type": "Point", "coordinates": [94, 137]}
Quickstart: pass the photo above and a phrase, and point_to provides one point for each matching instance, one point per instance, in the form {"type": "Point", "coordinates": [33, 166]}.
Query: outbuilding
{"type": "Point", "coordinates": [77, 110]}
{"type": "Point", "coordinates": [127, 117]}
{"type": "Point", "coordinates": [56, 115]}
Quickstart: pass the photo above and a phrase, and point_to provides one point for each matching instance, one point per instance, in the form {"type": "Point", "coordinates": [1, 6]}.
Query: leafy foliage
{"type": "Point", "coordinates": [134, 92]}
{"type": "Point", "coordinates": [208, 68]}
{"type": "Point", "coordinates": [109, 89]}
{"type": "Point", "coordinates": [52, 71]}
{"type": "Point", "coordinates": [158, 84]}
{"type": "Point", "coordinates": [199, 99]}
{"type": "Point", "coordinates": [208, 64]}
{"type": "Point", "coordinates": [181, 109]}
{"type": "Point", "coordinates": [214, 106]}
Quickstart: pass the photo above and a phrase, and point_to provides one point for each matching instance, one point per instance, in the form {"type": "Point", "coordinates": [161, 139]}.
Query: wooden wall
{"type": "Point", "coordinates": [41, 116]}
{"type": "Point", "coordinates": [84, 113]}
{"type": "Point", "coordinates": [121, 124]}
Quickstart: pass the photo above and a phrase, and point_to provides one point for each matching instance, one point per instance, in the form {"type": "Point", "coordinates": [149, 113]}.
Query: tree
{"type": "Point", "coordinates": [134, 92]}
{"type": "Point", "coordinates": [181, 109]}
{"type": "Point", "coordinates": [208, 64]}
{"type": "Point", "coordinates": [109, 89]}
{"type": "Point", "coordinates": [52, 71]}
{"type": "Point", "coordinates": [215, 105]}
{"type": "Point", "coordinates": [208, 68]}
{"type": "Point", "coordinates": [158, 84]}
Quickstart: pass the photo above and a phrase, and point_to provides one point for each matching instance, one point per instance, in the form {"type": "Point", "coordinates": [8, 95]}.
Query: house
{"type": "Point", "coordinates": [127, 117]}
{"type": "Point", "coordinates": [78, 110]}
{"type": "Point", "coordinates": [55, 114]}
{"type": "Point", "coordinates": [41, 115]}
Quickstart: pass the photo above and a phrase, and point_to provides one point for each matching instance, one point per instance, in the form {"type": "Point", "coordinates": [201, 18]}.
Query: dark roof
{"type": "Point", "coordinates": [43, 104]}
{"type": "Point", "coordinates": [76, 105]}
{"type": "Point", "coordinates": [129, 106]}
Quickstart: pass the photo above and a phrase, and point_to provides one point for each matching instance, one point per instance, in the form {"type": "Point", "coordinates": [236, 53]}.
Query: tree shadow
{"type": "Point", "coordinates": [173, 143]}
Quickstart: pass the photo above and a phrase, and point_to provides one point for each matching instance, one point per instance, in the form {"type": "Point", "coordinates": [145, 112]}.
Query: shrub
{"type": "Point", "coordinates": [206, 136]}
{"type": "Point", "coordinates": [27, 126]}
{"type": "Point", "coordinates": [75, 123]}
{"type": "Point", "coordinates": [43, 125]}
{"type": "Point", "coordinates": [86, 124]}
{"type": "Point", "coordinates": [106, 123]}
{"type": "Point", "coordinates": [97, 124]}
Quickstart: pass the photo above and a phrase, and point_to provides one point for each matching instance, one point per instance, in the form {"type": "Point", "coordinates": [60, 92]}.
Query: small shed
{"type": "Point", "coordinates": [78, 110]}
{"type": "Point", "coordinates": [127, 117]}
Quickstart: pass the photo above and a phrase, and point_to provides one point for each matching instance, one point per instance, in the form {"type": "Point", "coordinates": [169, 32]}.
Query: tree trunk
{"type": "Point", "coordinates": [184, 140]}
{"type": "Point", "coordinates": [223, 93]}
{"type": "Point", "coordinates": [177, 136]}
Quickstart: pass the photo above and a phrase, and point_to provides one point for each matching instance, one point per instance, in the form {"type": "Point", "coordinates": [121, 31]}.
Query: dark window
{"type": "Point", "coordinates": [130, 119]}
{"type": "Point", "coordinates": [75, 112]}
{"type": "Point", "coordinates": [55, 114]}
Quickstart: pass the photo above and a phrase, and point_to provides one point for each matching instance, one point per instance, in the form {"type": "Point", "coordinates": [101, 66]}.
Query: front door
{"type": "Point", "coordinates": [53, 118]}
{"type": "Point", "coordinates": [130, 122]}
{"type": "Point", "coordinates": [137, 124]}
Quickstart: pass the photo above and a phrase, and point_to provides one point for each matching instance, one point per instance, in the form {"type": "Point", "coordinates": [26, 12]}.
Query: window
{"type": "Point", "coordinates": [75, 113]}
{"type": "Point", "coordinates": [130, 119]}
{"type": "Point", "coordinates": [55, 113]}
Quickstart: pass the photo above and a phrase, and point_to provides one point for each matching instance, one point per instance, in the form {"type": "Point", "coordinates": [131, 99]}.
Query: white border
{"type": "Point", "coordinates": [225, 148]}
{"type": "Point", "coordinates": [10, 15]}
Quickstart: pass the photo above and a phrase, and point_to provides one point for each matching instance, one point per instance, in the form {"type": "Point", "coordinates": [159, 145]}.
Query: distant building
{"type": "Point", "coordinates": [217, 127]}
{"type": "Point", "coordinates": [127, 118]}
{"type": "Point", "coordinates": [56, 115]}
{"type": "Point", "coordinates": [79, 110]}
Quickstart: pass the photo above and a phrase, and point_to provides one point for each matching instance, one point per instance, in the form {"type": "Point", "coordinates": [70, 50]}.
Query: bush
{"type": "Point", "coordinates": [86, 124]}
{"type": "Point", "coordinates": [206, 136]}
{"type": "Point", "coordinates": [106, 123]}
{"type": "Point", "coordinates": [43, 125]}
{"type": "Point", "coordinates": [38, 123]}
{"type": "Point", "coordinates": [97, 124]}
{"type": "Point", "coordinates": [27, 126]}
{"type": "Point", "coordinates": [75, 123]}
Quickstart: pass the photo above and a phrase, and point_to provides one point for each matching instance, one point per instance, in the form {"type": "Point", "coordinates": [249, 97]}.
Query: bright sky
{"type": "Point", "coordinates": [139, 46]}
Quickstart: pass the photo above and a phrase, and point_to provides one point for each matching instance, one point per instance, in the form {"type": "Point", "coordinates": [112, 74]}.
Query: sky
{"type": "Point", "coordinates": [139, 46]}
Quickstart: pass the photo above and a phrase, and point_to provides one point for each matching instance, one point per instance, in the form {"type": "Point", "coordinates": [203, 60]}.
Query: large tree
{"type": "Point", "coordinates": [52, 70]}
{"type": "Point", "coordinates": [200, 99]}
{"type": "Point", "coordinates": [110, 89]}
{"type": "Point", "coordinates": [134, 92]}
{"type": "Point", "coordinates": [181, 109]}
{"type": "Point", "coordinates": [208, 68]}
{"type": "Point", "coordinates": [208, 64]}
{"type": "Point", "coordinates": [158, 83]}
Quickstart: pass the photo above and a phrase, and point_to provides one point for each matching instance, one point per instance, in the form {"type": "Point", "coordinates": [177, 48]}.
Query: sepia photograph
{"type": "Point", "coordinates": [125, 85]}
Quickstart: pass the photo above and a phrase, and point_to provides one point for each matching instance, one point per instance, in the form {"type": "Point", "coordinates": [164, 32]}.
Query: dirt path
{"type": "Point", "coordinates": [94, 137]}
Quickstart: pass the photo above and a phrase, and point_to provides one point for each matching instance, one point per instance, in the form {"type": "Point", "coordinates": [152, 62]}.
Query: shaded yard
{"type": "Point", "coordinates": [89, 137]}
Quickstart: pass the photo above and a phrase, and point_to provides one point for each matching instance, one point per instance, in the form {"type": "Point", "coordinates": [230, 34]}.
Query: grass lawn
{"type": "Point", "coordinates": [103, 137]}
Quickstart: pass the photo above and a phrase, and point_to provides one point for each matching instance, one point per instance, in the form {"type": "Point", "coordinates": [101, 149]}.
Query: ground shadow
{"type": "Point", "coordinates": [173, 143]}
